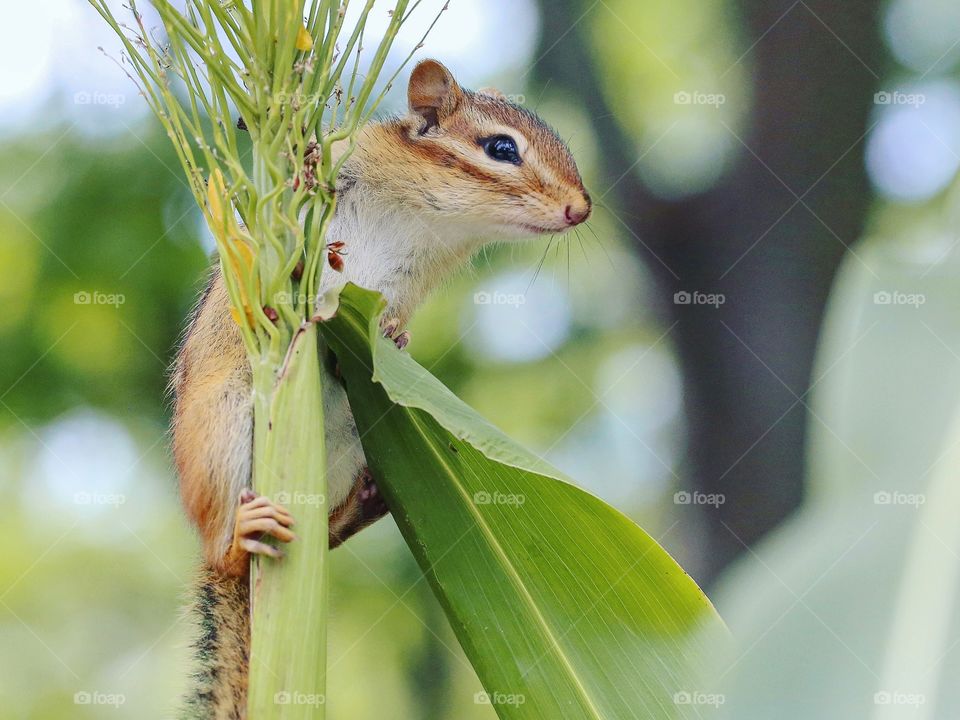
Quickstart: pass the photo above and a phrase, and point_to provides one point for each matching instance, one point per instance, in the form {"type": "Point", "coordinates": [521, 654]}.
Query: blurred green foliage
{"type": "Point", "coordinates": [81, 218]}
{"type": "Point", "coordinates": [98, 556]}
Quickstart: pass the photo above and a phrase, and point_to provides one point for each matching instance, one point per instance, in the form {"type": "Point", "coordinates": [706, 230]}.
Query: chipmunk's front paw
{"type": "Point", "coordinates": [391, 330]}
{"type": "Point", "coordinates": [257, 516]}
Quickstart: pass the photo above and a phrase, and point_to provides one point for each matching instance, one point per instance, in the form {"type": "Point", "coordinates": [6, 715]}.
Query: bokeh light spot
{"type": "Point", "coordinates": [512, 323]}
{"type": "Point", "coordinates": [914, 151]}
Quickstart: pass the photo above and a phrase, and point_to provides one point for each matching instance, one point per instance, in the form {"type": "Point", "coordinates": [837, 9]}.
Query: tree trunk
{"type": "Point", "coordinates": [747, 365]}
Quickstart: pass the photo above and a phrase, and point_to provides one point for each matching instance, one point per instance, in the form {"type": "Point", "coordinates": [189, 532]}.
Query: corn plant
{"type": "Point", "coordinates": [289, 75]}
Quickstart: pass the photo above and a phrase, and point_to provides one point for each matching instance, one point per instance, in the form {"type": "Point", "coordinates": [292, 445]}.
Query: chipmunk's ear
{"type": "Point", "coordinates": [433, 94]}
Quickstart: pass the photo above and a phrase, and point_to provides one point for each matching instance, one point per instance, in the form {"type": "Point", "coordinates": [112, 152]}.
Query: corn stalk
{"type": "Point", "coordinates": [287, 73]}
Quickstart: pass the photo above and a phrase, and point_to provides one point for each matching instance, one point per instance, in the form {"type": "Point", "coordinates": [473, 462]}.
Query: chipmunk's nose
{"type": "Point", "coordinates": [577, 212]}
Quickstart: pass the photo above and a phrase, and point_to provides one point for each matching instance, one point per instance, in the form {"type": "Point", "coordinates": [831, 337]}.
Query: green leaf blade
{"type": "Point", "coordinates": [565, 607]}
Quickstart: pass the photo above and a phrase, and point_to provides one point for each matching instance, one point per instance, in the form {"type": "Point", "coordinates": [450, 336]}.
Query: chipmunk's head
{"type": "Point", "coordinates": [476, 160]}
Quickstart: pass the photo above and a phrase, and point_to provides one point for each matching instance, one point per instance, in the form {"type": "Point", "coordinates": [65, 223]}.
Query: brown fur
{"type": "Point", "coordinates": [221, 612]}
{"type": "Point", "coordinates": [212, 434]}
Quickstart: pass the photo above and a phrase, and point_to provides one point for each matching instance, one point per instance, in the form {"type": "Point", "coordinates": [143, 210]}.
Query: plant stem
{"type": "Point", "coordinates": [289, 598]}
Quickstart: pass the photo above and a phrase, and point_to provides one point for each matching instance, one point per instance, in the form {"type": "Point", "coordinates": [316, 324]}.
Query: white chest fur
{"type": "Point", "coordinates": [394, 250]}
{"type": "Point", "coordinates": [402, 255]}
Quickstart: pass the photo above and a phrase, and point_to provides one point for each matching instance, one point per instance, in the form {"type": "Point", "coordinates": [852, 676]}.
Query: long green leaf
{"type": "Point", "coordinates": [564, 606]}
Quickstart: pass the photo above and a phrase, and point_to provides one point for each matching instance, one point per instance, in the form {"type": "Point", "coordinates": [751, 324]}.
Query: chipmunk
{"type": "Point", "coordinates": [419, 195]}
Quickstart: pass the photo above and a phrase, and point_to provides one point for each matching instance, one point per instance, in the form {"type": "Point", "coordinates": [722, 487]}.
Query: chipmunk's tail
{"type": "Point", "coordinates": [220, 609]}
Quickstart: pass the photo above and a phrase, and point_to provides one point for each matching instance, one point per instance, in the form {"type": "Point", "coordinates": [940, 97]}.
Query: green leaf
{"type": "Point", "coordinates": [564, 606]}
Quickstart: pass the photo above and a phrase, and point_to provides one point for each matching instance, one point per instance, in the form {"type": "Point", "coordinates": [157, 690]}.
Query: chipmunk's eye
{"type": "Point", "coordinates": [502, 148]}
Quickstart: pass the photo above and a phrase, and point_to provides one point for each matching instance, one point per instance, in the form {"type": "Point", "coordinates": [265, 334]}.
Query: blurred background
{"type": "Point", "coordinates": [753, 349]}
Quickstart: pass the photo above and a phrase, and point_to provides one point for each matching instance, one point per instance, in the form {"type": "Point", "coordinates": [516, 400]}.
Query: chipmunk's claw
{"type": "Point", "coordinates": [389, 326]}
{"type": "Point", "coordinates": [391, 330]}
{"type": "Point", "coordinates": [402, 340]}
{"type": "Point", "coordinates": [256, 518]}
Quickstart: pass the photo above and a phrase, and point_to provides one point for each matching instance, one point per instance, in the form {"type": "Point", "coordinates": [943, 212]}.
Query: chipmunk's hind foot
{"type": "Point", "coordinates": [363, 506]}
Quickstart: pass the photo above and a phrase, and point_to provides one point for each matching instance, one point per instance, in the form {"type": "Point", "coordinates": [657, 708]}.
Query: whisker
{"type": "Point", "coordinates": [556, 257]}
{"type": "Point", "coordinates": [603, 247]}
{"type": "Point", "coordinates": [589, 227]}
{"type": "Point", "coordinates": [583, 249]}
{"type": "Point", "coordinates": [537, 273]}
